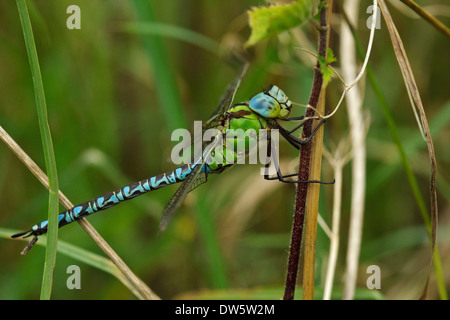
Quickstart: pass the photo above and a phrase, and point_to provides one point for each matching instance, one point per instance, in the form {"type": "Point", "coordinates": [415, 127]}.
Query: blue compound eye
{"type": "Point", "coordinates": [277, 94]}
{"type": "Point", "coordinates": [265, 105]}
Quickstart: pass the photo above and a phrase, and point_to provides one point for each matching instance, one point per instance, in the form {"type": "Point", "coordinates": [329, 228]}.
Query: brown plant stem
{"type": "Point", "coordinates": [428, 17]}
{"type": "Point", "coordinates": [305, 164]}
{"type": "Point", "coordinates": [411, 86]}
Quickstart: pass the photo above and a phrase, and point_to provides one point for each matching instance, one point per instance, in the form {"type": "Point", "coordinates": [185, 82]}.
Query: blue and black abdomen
{"type": "Point", "coordinates": [112, 198]}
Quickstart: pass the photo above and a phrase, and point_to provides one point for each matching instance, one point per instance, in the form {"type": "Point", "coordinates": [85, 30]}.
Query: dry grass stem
{"type": "Point", "coordinates": [427, 17]}
{"type": "Point", "coordinates": [337, 161]}
{"type": "Point", "coordinates": [140, 286]}
{"type": "Point", "coordinates": [413, 91]}
{"type": "Point", "coordinates": [357, 136]}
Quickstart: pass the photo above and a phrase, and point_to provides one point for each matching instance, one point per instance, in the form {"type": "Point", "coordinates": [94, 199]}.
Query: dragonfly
{"type": "Point", "coordinates": [263, 111]}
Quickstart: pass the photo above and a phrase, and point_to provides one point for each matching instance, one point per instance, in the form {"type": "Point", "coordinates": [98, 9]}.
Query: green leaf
{"type": "Point", "coordinates": [330, 56]}
{"type": "Point", "coordinates": [324, 62]}
{"type": "Point", "coordinates": [271, 20]}
{"type": "Point", "coordinates": [319, 10]}
{"type": "Point", "coordinates": [163, 70]}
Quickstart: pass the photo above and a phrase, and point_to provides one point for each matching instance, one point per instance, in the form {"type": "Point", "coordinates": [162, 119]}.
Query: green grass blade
{"type": "Point", "coordinates": [169, 99]}
{"type": "Point", "coordinates": [50, 255]}
{"type": "Point", "coordinates": [215, 263]}
{"type": "Point", "coordinates": [398, 143]}
{"type": "Point", "coordinates": [414, 185]}
{"type": "Point", "coordinates": [172, 31]}
{"type": "Point", "coordinates": [82, 255]}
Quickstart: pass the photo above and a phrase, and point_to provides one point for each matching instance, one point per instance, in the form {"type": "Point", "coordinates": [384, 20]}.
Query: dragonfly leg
{"type": "Point", "coordinates": [296, 141]}
{"type": "Point", "coordinates": [295, 119]}
{"type": "Point", "coordinates": [296, 128]}
{"type": "Point", "coordinates": [280, 177]}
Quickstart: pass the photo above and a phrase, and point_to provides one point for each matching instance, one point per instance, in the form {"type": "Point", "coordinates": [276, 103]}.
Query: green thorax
{"type": "Point", "coordinates": [241, 124]}
{"type": "Point", "coordinates": [240, 132]}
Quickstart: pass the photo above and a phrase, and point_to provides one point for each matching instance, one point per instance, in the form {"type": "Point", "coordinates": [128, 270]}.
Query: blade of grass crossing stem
{"type": "Point", "coordinates": [144, 291]}
{"type": "Point", "coordinates": [92, 259]}
{"type": "Point", "coordinates": [50, 255]}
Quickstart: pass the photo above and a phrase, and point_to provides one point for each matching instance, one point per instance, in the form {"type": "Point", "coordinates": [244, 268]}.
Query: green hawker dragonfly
{"type": "Point", "coordinates": [263, 111]}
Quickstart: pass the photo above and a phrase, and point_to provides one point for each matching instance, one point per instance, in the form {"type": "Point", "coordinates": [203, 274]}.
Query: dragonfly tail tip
{"type": "Point", "coordinates": [24, 234]}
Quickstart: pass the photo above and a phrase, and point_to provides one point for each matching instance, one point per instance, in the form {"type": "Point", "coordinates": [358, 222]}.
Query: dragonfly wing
{"type": "Point", "coordinates": [227, 98]}
{"type": "Point", "coordinates": [190, 183]}
{"type": "Point", "coordinates": [200, 179]}
{"type": "Point", "coordinates": [225, 103]}
{"type": "Point", "coordinates": [197, 176]}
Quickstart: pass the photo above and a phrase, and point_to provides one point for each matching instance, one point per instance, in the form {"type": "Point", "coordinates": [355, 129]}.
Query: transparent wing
{"type": "Point", "coordinates": [177, 199]}
{"type": "Point", "coordinates": [225, 103]}
{"type": "Point", "coordinates": [227, 98]}
{"type": "Point", "coordinates": [195, 178]}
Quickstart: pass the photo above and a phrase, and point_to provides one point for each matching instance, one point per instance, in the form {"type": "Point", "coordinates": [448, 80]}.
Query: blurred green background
{"type": "Point", "coordinates": [115, 93]}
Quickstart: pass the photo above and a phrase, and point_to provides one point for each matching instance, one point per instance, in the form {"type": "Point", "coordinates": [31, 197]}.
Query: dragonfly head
{"type": "Point", "coordinates": [272, 103]}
